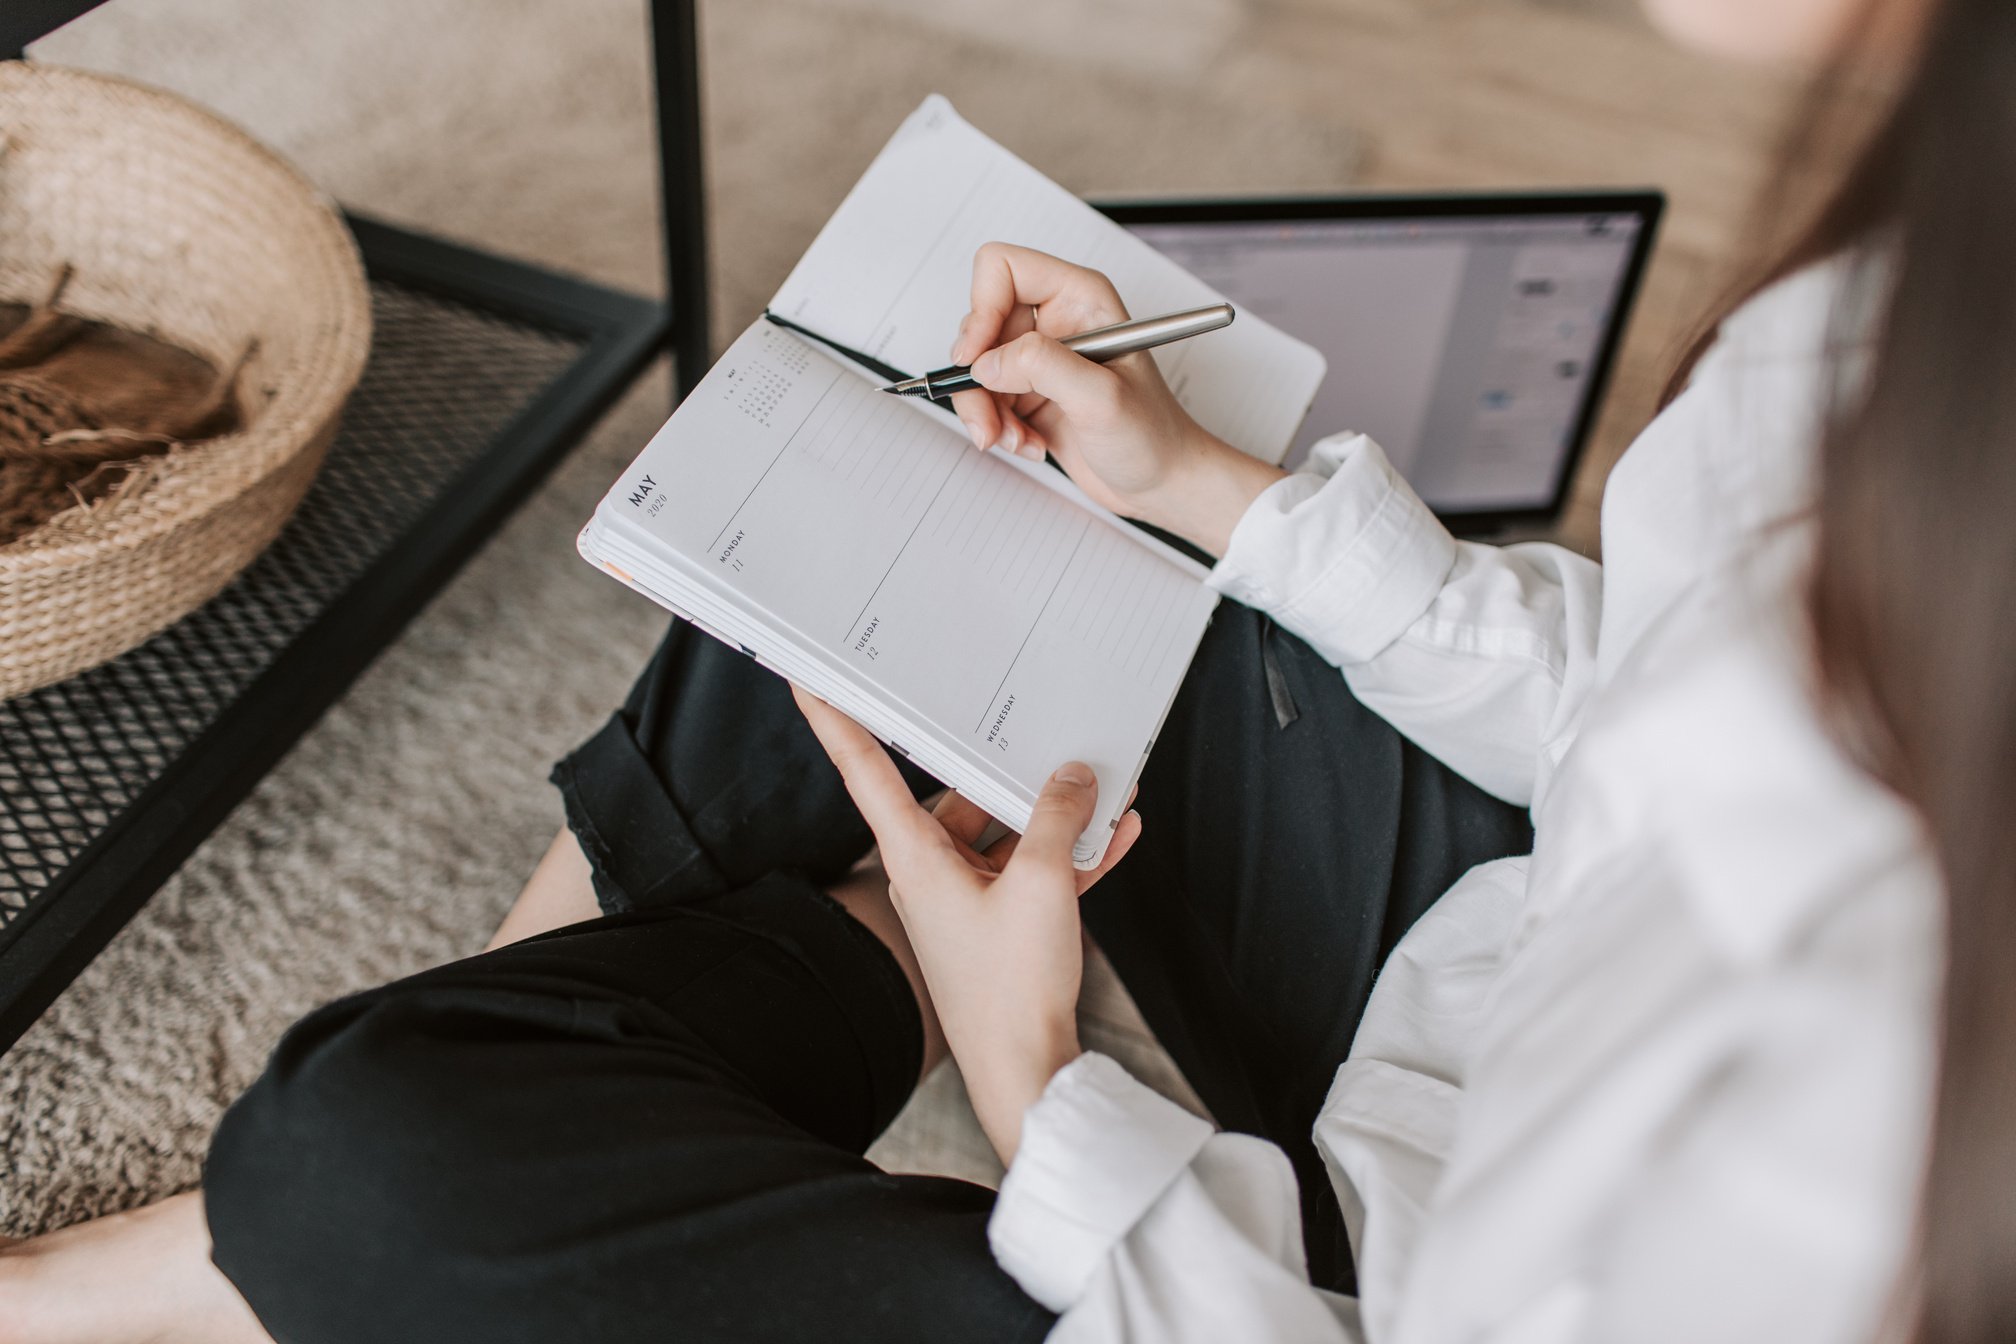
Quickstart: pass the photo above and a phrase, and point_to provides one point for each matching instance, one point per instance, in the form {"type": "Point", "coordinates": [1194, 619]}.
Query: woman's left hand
{"type": "Point", "coordinates": [996, 933]}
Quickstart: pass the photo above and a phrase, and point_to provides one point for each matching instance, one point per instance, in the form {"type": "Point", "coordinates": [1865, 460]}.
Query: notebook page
{"type": "Point", "coordinates": [891, 275]}
{"type": "Point", "coordinates": [854, 534]}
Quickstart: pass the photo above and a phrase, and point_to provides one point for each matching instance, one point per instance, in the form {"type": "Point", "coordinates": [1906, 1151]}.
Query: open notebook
{"type": "Point", "coordinates": [976, 611]}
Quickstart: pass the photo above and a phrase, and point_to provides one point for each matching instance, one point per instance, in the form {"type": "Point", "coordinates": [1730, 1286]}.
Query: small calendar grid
{"type": "Point", "coordinates": [758, 390]}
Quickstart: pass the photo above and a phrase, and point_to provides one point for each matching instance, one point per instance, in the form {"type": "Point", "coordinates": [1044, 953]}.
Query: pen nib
{"type": "Point", "coordinates": [910, 387]}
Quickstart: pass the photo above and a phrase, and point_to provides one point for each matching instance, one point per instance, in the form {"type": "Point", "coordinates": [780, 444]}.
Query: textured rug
{"type": "Point", "coordinates": [396, 833]}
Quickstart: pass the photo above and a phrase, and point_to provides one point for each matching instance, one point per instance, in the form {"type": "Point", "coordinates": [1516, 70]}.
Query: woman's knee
{"type": "Point", "coordinates": [358, 1147]}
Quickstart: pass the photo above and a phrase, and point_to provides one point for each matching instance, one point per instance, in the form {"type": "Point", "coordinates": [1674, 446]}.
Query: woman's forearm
{"type": "Point", "coordinates": [1208, 489]}
{"type": "Point", "coordinates": [1007, 1073]}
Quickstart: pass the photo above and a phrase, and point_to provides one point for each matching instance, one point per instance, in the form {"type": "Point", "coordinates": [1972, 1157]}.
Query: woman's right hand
{"type": "Point", "coordinates": [1116, 429]}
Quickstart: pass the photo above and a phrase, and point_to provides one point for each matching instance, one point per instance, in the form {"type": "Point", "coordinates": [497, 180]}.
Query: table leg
{"type": "Point", "coordinates": [682, 178]}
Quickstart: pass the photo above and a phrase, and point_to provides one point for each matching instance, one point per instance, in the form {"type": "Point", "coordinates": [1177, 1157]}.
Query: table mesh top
{"type": "Point", "coordinates": [442, 381]}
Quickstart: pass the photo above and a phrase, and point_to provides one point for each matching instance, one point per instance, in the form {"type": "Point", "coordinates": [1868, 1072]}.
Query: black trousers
{"type": "Point", "coordinates": [650, 1126]}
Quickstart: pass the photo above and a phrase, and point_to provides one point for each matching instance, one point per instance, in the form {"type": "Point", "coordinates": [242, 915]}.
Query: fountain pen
{"type": "Point", "coordinates": [1098, 345]}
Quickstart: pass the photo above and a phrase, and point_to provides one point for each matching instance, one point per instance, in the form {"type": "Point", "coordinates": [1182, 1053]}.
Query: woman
{"type": "Point", "coordinates": [1676, 1073]}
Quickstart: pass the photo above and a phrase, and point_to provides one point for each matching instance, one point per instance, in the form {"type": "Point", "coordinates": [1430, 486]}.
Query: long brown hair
{"type": "Point", "coordinates": [1913, 599]}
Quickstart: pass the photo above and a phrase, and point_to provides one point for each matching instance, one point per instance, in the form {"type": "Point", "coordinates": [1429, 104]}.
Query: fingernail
{"type": "Point", "coordinates": [973, 433]}
{"type": "Point", "coordinates": [1011, 438]}
{"type": "Point", "coordinates": [1030, 451]}
{"type": "Point", "coordinates": [1074, 772]}
{"type": "Point", "coordinates": [987, 367]}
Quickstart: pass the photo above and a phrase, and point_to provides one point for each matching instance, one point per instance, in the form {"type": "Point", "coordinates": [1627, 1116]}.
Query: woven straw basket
{"type": "Point", "coordinates": [179, 225]}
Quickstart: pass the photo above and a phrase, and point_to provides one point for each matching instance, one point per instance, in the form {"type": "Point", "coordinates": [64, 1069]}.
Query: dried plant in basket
{"type": "Point", "coordinates": [182, 229]}
{"type": "Point", "coordinates": [80, 399]}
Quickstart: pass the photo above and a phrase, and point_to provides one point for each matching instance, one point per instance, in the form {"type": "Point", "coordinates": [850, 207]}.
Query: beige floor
{"type": "Point", "coordinates": [394, 835]}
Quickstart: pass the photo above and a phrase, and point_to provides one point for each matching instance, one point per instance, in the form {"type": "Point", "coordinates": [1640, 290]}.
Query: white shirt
{"type": "Point", "coordinates": [1669, 1076]}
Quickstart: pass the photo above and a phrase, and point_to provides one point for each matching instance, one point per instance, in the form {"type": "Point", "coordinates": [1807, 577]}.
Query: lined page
{"type": "Point", "coordinates": [1015, 628]}
{"type": "Point", "coordinates": [891, 275]}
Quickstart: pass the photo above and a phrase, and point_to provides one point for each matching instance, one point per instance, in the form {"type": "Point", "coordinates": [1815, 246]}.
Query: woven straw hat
{"type": "Point", "coordinates": [179, 225]}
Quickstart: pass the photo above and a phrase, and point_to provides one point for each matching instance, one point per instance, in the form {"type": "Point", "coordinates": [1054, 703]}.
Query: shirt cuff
{"type": "Point", "coordinates": [1342, 553]}
{"type": "Point", "coordinates": [1098, 1149]}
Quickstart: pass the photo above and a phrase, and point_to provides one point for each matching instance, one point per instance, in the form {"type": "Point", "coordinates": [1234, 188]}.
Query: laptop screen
{"type": "Point", "coordinates": [1470, 346]}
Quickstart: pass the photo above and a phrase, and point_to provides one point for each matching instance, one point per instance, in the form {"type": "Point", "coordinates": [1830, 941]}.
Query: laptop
{"type": "Point", "coordinates": [1471, 335]}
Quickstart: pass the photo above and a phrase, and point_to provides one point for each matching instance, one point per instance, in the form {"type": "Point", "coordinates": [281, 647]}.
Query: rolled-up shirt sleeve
{"type": "Point", "coordinates": [1481, 654]}
{"type": "Point", "coordinates": [1135, 1221]}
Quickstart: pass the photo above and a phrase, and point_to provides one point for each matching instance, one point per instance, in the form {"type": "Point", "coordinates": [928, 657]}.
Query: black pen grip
{"type": "Point", "coordinates": [956, 378]}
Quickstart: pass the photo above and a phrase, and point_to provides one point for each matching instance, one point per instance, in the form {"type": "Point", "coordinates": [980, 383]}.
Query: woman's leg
{"type": "Point", "coordinates": [560, 892]}
{"type": "Point", "coordinates": [644, 1122]}
{"type": "Point", "coordinates": [146, 1274]}
{"type": "Point", "coordinates": [1290, 836]}
{"type": "Point", "coordinates": [708, 776]}
{"type": "Point", "coordinates": [139, 1276]}
{"type": "Point", "coordinates": [642, 1127]}
{"type": "Point", "coordinates": [699, 719]}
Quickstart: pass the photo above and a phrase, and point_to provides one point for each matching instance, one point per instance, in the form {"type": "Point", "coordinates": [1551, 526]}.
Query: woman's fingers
{"type": "Point", "coordinates": [1125, 833]}
{"type": "Point", "coordinates": [961, 818]}
{"type": "Point", "coordinates": [1039, 364]}
{"type": "Point", "coordinates": [980, 412]}
{"type": "Point", "coordinates": [990, 419]}
{"type": "Point", "coordinates": [909, 835]}
{"type": "Point", "coordinates": [1124, 836]}
{"type": "Point", "coordinates": [1020, 437]}
{"type": "Point", "coordinates": [1021, 320]}
{"type": "Point", "coordinates": [989, 423]}
{"type": "Point", "coordinates": [1062, 812]}
{"type": "Point", "coordinates": [966, 347]}
{"type": "Point", "coordinates": [1028, 405]}
{"type": "Point", "coordinates": [1018, 292]}
{"type": "Point", "coordinates": [1006, 278]}
{"type": "Point", "coordinates": [904, 830]}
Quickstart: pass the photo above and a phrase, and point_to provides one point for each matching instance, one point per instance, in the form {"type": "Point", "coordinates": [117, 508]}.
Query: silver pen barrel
{"type": "Point", "coordinates": [1099, 344]}
{"type": "Point", "coordinates": [1125, 338]}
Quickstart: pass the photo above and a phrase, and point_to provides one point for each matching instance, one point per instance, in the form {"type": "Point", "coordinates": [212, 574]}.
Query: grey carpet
{"type": "Point", "coordinates": [394, 836]}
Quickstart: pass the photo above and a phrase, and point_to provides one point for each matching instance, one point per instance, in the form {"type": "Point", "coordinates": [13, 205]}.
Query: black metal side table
{"type": "Point", "coordinates": [483, 373]}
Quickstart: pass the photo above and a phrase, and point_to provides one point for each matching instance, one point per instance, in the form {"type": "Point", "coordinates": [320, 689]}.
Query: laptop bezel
{"type": "Point", "coordinates": [1647, 204]}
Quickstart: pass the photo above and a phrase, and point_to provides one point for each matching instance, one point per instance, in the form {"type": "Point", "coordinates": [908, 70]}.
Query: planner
{"type": "Point", "coordinates": [976, 611]}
